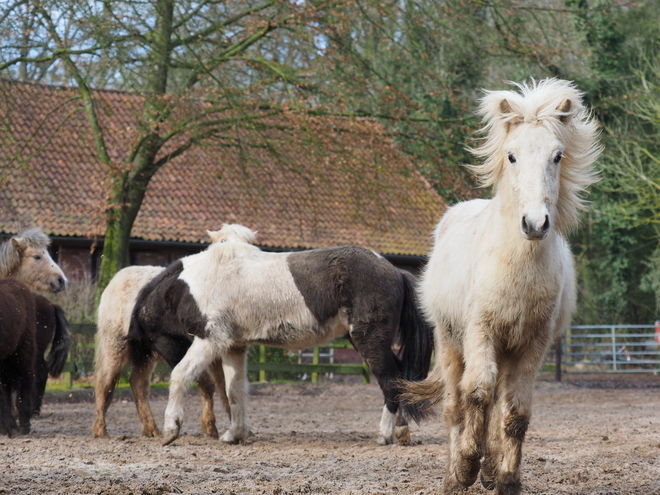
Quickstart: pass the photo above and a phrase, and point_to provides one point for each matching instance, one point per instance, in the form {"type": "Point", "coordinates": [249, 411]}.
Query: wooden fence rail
{"type": "Point", "coordinates": [85, 339]}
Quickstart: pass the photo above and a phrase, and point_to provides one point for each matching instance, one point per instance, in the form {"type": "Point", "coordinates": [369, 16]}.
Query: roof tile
{"type": "Point", "coordinates": [352, 186]}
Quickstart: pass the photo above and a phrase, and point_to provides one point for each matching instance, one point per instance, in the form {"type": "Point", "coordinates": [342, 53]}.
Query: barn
{"type": "Point", "coordinates": [331, 181]}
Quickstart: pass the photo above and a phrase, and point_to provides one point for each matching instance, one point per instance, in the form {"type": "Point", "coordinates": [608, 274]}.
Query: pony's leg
{"type": "Point", "coordinates": [198, 357]}
{"type": "Point", "coordinates": [383, 365]}
{"type": "Point", "coordinates": [206, 390]}
{"type": "Point", "coordinates": [220, 385]}
{"type": "Point", "coordinates": [478, 392]}
{"type": "Point", "coordinates": [387, 428]}
{"type": "Point", "coordinates": [401, 430]}
{"type": "Point", "coordinates": [24, 397]}
{"type": "Point", "coordinates": [490, 465]}
{"type": "Point", "coordinates": [234, 364]}
{"type": "Point", "coordinates": [140, 381]}
{"type": "Point", "coordinates": [7, 421]}
{"type": "Point", "coordinates": [450, 360]}
{"type": "Point", "coordinates": [41, 379]}
{"type": "Point", "coordinates": [107, 370]}
{"type": "Point", "coordinates": [515, 410]}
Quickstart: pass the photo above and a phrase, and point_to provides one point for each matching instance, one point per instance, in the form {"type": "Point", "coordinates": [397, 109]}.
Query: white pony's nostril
{"type": "Point", "coordinates": [525, 225]}
{"type": "Point", "coordinates": [546, 225]}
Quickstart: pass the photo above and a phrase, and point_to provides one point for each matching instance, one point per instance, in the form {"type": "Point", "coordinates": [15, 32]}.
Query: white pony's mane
{"type": "Point", "coordinates": [230, 241]}
{"type": "Point", "coordinates": [10, 257]}
{"type": "Point", "coordinates": [556, 104]}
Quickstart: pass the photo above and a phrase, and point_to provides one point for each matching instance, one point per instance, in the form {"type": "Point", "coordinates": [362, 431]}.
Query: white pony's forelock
{"type": "Point", "coordinates": [541, 102]}
{"type": "Point", "coordinates": [233, 232]}
{"type": "Point", "coordinates": [232, 240]}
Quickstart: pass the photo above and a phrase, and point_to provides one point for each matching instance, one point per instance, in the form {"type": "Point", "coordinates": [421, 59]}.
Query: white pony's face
{"type": "Point", "coordinates": [533, 161]}
{"type": "Point", "coordinates": [37, 269]}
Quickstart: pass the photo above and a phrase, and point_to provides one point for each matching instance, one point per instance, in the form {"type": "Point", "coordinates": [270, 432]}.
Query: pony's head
{"type": "Point", "coordinates": [232, 233]}
{"type": "Point", "coordinates": [539, 149]}
{"type": "Point", "coordinates": [26, 258]}
{"type": "Point", "coordinates": [230, 241]}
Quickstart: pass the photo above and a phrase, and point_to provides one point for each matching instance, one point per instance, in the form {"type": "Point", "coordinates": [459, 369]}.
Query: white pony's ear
{"type": "Point", "coordinates": [497, 108]}
{"type": "Point", "coordinates": [505, 107]}
{"type": "Point", "coordinates": [215, 235]}
{"type": "Point", "coordinates": [564, 109]}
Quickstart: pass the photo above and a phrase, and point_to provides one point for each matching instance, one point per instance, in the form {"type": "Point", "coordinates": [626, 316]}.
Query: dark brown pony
{"type": "Point", "coordinates": [18, 354]}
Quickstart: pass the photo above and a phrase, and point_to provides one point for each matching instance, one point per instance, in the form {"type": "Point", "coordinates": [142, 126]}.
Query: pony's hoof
{"type": "Point", "coordinates": [210, 431]}
{"type": "Point", "coordinates": [509, 485]}
{"type": "Point", "coordinates": [452, 486]}
{"type": "Point", "coordinates": [508, 489]}
{"type": "Point", "coordinates": [235, 437]}
{"type": "Point", "coordinates": [151, 432]}
{"type": "Point", "coordinates": [23, 430]}
{"type": "Point", "coordinates": [489, 472]}
{"type": "Point", "coordinates": [487, 483]}
{"type": "Point", "coordinates": [170, 436]}
{"type": "Point", "coordinates": [467, 470]}
{"type": "Point", "coordinates": [384, 441]}
{"type": "Point", "coordinates": [169, 439]}
{"type": "Point", "coordinates": [402, 434]}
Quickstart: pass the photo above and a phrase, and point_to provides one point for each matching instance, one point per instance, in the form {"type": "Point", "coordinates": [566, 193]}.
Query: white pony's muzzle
{"type": "Point", "coordinates": [535, 226]}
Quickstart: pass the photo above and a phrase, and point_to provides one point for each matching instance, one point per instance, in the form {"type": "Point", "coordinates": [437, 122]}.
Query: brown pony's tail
{"type": "Point", "coordinates": [428, 391]}
{"type": "Point", "coordinates": [59, 350]}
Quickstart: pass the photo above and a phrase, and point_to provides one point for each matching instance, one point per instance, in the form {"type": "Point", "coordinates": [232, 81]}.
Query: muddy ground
{"type": "Point", "coordinates": [587, 436]}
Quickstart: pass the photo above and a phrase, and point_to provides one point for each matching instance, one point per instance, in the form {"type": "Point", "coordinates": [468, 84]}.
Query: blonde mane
{"type": "Point", "coordinates": [557, 105]}
{"type": "Point", "coordinates": [232, 240]}
{"type": "Point", "coordinates": [10, 256]}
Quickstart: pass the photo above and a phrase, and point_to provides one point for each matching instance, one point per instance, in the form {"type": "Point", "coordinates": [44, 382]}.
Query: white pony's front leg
{"type": "Point", "coordinates": [387, 424]}
{"type": "Point", "coordinates": [197, 359]}
{"type": "Point", "coordinates": [234, 365]}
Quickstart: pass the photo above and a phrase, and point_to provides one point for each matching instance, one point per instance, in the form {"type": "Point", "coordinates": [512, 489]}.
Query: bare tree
{"type": "Point", "coordinates": [196, 65]}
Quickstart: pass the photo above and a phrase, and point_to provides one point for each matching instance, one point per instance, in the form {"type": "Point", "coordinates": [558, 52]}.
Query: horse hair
{"type": "Point", "coordinates": [10, 257]}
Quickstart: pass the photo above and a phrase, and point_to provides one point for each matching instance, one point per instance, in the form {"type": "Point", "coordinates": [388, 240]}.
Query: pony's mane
{"type": "Point", "coordinates": [230, 241]}
{"type": "Point", "coordinates": [556, 104]}
{"type": "Point", "coordinates": [233, 232]}
{"type": "Point", "coordinates": [10, 257]}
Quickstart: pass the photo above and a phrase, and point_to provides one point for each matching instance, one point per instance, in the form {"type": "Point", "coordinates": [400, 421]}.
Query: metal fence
{"type": "Point", "coordinates": [610, 349]}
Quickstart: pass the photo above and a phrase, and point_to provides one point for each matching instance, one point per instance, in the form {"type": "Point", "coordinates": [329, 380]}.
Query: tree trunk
{"type": "Point", "coordinates": [126, 196]}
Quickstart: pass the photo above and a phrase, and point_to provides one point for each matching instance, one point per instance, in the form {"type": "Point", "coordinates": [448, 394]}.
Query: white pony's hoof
{"type": "Point", "coordinates": [169, 435]}
{"type": "Point", "coordinates": [234, 437]}
{"type": "Point", "coordinates": [385, 441]}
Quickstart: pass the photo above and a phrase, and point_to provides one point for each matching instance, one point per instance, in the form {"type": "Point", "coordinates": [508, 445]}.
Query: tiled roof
{"type": "Point", "coordinates": [352, 186]}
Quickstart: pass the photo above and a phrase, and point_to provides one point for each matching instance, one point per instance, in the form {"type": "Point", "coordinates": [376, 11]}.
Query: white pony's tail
{"type": "Point", "coordinates": [430, 390]}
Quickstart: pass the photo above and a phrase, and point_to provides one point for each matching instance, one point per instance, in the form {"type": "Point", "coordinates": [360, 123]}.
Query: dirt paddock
{"type": "Point", "coordinates": [588, 436]}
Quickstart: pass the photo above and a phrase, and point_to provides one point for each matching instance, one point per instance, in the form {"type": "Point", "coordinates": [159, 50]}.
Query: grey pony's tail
{"type": "Point", "coordinates": [416, 349]}
{"type": "Point", "coordinates": [59, 349]}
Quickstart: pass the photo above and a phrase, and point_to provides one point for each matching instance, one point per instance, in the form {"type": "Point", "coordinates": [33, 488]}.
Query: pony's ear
{"type": "Point", "coordinates": [18, 243]}
{"type": "Point", "coordinates": [505, 107]}
{"type": "Point", "coordinates": [565, 109]}
{"type": "Point", "coordinates": [214, 235]}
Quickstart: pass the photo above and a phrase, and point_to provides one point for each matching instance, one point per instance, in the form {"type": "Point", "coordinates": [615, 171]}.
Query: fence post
{"type": "Point", "coordinates": [558, 343]}
{"type": "Point", "coordinates": [262, 359]}
{"type": "Point", "coordinates": [613, 332]}
{"type": "Point", "coordinates": [315, 360]}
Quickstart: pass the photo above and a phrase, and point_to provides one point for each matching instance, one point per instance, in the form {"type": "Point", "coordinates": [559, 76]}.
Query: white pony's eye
{"type": "Point", "coordinates": [36, 257]}
{"type": "Point", "coordinates": [558, 157]}
{"type": "Point", "coordinates": [223, 240]}
{"type": "Point", "coordinates": [512, 158]}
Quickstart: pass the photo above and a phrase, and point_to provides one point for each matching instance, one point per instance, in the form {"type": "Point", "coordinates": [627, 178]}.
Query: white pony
{"type": "Point", "coordinates": [112, 352]}
{"type": "Point", "coordinates": [500, 281]}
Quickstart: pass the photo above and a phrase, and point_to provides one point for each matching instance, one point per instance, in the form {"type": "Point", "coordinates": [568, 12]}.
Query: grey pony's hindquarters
{"type": "Point", "coordinates": [416, 348]}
